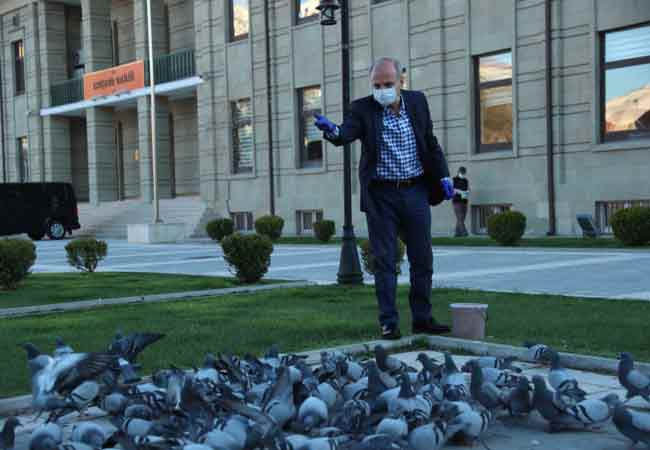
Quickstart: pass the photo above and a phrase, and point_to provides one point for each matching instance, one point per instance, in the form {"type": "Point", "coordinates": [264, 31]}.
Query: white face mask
{"type": "Point", "coordinates": [385, 97]}
{"type": "Point", "coordinates": [461, 176]}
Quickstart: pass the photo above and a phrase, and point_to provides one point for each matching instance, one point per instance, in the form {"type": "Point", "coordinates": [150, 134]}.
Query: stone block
{"type": "Point", "coordinates": [156, 233]}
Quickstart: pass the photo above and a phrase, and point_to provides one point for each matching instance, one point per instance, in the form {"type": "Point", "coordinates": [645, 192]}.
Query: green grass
{"type": "Point", "coordinates": [485, 241]}
{"type": "Point", "coordinates": [46, 288]}
{"type": "Point", "coordinates": [314, 317]}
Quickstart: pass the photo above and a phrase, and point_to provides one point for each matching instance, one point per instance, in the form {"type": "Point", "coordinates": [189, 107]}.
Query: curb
{"type": "Point", "coordinates": [172, 296]}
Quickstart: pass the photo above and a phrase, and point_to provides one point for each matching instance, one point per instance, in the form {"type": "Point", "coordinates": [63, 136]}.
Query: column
{"type": "Point", "coordinates": [102, 178]}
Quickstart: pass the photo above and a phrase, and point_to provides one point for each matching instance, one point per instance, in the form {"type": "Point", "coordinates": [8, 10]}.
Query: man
{"type": "Point", "coordinates": [402, 170]}
{"type": "Point", "coordinates": [461, 194]}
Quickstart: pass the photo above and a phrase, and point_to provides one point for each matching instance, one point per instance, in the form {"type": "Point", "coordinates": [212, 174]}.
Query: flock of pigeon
{"type": "Point", "coordinates": [280, 403]}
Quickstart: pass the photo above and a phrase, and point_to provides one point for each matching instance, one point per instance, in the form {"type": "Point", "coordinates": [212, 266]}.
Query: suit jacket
{"type": "Point", "coordinates": [364, 121]}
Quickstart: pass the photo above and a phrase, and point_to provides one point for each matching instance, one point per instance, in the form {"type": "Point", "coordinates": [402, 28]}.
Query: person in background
{"type": "Point", "coordinates": [460, 200]}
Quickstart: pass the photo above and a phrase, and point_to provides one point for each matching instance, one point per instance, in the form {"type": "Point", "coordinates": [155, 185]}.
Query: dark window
{"type": "Point", "coordinates": [239, 19]}
{"type": "Point", "coordinates": [23, 160]}
{"type": "Point", "coordinates": [243, 220]}
{"type": "Point", "coordinates": [481, 213]}
{"type": "Point", "coordinates": [19, 67]}
{"type": "Point", "coordinates": [116, 44]}
{"type": "Point", "coordinates": [494, 105]}
{"type": "Point", "coordinates": [306, 10]}
{"type": "Point", "coordinates": [625, 87]}
{"type": "Point", "coordinates": [311, 139]}
{"type": "Point", "coordinates": [242, 136]}
{"type": "Point", "coordinates": [605, 212]}
{"type": "Point", "coordinates": [305, 220]}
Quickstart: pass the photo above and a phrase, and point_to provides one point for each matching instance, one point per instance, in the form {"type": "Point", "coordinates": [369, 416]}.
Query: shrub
{"type": "Point", "coordinates": [248, 254]}
{"type": "Point", "coordinates": [270, 226]}
{"type": "Point", "coordinates": [507, 227]}
{"type": "Point", "coordinates": [220, 228]}
{"type": "Point", "coordinates": [85, 253]}
{"type": "Point", "coordinates": [369, 259]}
{"type": "Point", "coordinates": [324, 230]}
{"type": "Point", "coordinates": [17, 256]}
{"type": "Point", "coordinates": [632, 225]}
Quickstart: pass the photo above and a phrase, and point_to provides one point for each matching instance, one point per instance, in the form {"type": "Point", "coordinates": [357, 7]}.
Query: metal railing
{"type": "Point", "coordinates": [70, 91]}
{"type": "Point", "coordinates": [171, 67]}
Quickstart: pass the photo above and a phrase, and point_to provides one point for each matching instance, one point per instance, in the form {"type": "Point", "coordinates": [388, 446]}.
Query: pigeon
{"type": "Point", "coordinates": [636, 382]}
{"type": "Point", "coordinates": [431, 372]}
{"type": "Point", "coordinates": [208, 371]}
{"type": "Point", "coordinates": [114, 403]}
{"type": "Point", "coordinates": [312, 413]}
{"type": "Point", "coordinates": [89, 433]}
{"type": "Point", "coordinates": [468, 424]}
{"type": "Point", "coordinates": [62, 348]}
{"type": "Point", "coordinates": [634, 425]}
{"type": "Point", "coordinates": [536, 352]}
{"type": "Point", "coordinates": [430, 436]}
{"type": "Point", "coordinates": [393, 426]}
{"type": "Point", "coordinates": [548, 406]}
{"type": "Point", "coordinates": [500, 378]}
{"type": "Point", "coordinates": [484, 392]}
{"type": "Point", "coordinates": [453, 381]}
{"type": "Point", "coordinates": [46, 437]}
{"type": "Point", "coordinates": [561, 380]}
{"type": "Point", "coordinates": [129, 347]}
{"type": "Point", "coordinates": [36, 360]}
{"type": "Point", "coordinates": [278, 403]}
{"type": "Point", "coordinates": [519, 399]}
{"type": "Point", "coordinates": [416, 408]}
{"type": "Point", "coordinates": [387, 363]}
{"type": "Point", "coordinates": [492, 362]}
{"type": "Point", "coordinates": [8, 433]}
{"type": "Point", "coordinates": [594, 412]}
{"type": "Point", "coordinates": [353, 416]}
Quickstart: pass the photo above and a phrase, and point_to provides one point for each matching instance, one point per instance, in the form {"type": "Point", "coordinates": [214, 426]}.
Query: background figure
{"type": "Point", "coordinates": [460, 200]}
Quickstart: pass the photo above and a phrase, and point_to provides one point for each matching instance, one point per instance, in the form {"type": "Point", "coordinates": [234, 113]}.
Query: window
{"type": "Point", "coordinates": [305, 220]}
{"type": "Point", "coordinates": [242, 136]}
{"type": "Point", "coordinates": [494, 105]}
{"type": "Point", "coordinates": [239, 19]}
{"type": "Point", "coordinates": [306, 10]}
{"type": "Point", "coordinates": [605, 212]}
{"type": "Point", "coordinates": [625, 89]}
{"type": "Point", "coordinates": [311, 139]}
{"type": "Point", "coordinates": [481, 213]}
{"type": "Point", "coordinates": [243, 220]}
{"type": "Point", "coordinates": [23, 160]}
{"type": "Point", "coordinates": [19, 67]}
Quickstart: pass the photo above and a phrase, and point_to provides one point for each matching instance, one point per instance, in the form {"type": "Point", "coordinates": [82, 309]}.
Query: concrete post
{"type": "Point", "coordinates": [101, 155]}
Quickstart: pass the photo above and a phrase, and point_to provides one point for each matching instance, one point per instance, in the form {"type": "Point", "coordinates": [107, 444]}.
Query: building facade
{"type": "Point", "coordinates": [488, 68]}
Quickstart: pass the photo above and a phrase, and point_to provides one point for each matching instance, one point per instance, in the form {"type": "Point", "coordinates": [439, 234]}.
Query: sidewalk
{"type": "Point", "coordinates": [505, 433]}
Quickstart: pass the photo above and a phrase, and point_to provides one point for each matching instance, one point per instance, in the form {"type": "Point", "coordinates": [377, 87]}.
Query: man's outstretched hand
{"type": "Point", "coordinates": [324, 124]}
{"type": "Point", "coordinates": [447, 187]}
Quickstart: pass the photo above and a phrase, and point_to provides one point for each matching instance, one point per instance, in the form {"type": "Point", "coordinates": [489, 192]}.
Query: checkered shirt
{"type": "Point", "coordinates": [398, 154]}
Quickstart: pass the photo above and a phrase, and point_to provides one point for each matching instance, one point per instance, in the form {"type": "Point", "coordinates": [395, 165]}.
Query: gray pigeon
{"type": "Point", "coordinates": [634, 425]}
{"type": "Point", "coordinates": [61, 347]}
{"type": "Point", "coordinates": [636, 382]}
{"type": "Point", "coordinates": [393, 426]}
{"type": "Point", "coordinates": [594, 412]}
{"type": "Point", "coordinates": [89, 433]}
{"type": "Point", "coordinates": [8, 433]}
{"type": "Point", "coordinates": [46, 437]}
{"type": "Point", "coordinates": [430, 436]}
{"type": "Point", "coordinates": [536, 352]}
{"type": "Point", "coordinates": [278, 403]}
{"type": "Point", "coordinates": [453, 381]}
{"type": "Point", "coordinates": [492, 362]}
{"type": "Point", "coordinates": [561, 379]}
{"type": "Point", "coordinates": [484, 392]}
{"type": "Point", "coordinates": [468, 424]}
{"type": "Point", "coordinates": [312, 413]}
{"type": "Point", "coordinates": [36, 360]}
{"type": "Point", "coordinates": [519, 399]}
{"type": "Point", "coordinates": [387, 363]}
{"type": "Point", "coordinates": [431, 372]}
{"type": "Point", "coordinates": [129, 347]}
{"type": "Point", "coordinates": [547, 405]}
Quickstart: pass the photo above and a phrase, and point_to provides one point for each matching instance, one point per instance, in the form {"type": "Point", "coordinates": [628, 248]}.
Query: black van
{"type": "Point", "coordinates": [38, 209]}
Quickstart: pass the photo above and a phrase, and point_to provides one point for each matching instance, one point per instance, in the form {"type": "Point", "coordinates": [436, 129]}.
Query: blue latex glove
{"type": "Point", "coordinates": [447, 187]}
{"type": "Point", "coordinates": [324, 124]}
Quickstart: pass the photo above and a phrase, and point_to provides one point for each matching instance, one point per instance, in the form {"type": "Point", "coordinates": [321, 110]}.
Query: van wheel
{"type": "Point", "coordinates": [55, 230]}
{"type": "Point", "coordinates": [36, 236]}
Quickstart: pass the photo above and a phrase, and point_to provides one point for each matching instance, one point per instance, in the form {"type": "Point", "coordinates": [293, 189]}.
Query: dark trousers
{"type": "Point", "coordinates": [390, 210]}
{"type": "Point", "coordinates": [460, 209]}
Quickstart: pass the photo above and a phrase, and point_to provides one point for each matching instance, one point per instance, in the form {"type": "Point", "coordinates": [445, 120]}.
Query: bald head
{"type": "Point", "coordinates": [385, 73]}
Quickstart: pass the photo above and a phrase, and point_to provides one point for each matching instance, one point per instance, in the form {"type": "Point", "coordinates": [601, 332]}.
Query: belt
{"type": "Point", "coordinates": [400, 184]}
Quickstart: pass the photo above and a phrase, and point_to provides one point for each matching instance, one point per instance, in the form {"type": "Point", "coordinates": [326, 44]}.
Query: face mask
{"type": "Point", "coordinates": [385, 97]}
{"type": "Point", "coordinates": [461, 176]}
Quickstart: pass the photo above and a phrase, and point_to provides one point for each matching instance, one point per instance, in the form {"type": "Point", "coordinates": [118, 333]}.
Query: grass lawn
{"type": "Point", "coordinates": [484, 241]}
{"type": "Point", "coordinates": [313, 317]}
{"type": "Point", "coordinates": [46, 288]}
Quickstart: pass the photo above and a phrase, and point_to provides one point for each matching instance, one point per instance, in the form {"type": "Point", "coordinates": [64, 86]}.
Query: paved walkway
{"type": "Point", "coordinates": [617, 274]}
{"type": "Point", "coordinates": [505, 433]}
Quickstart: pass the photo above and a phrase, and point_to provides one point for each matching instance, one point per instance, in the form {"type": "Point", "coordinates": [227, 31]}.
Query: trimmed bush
{"type": "Point", "coordinates": [632, 225]}
{"type": "Point", "coordinates": [507, 227]}
{"type": "Point", "coordinates": [220, 228]}
{"type": "Point", "coordinates": [368, 258]}
{"type": "Point", "coordinates": [324, 230]}
{"type": "Point", "coordinates": [86, 253]}
{"type": "Point", "coordinates": [17, 256]}
{"type": "Point", "coordinates": [248, 254]}
{"type": "Point", "coordinates": [270, 226]}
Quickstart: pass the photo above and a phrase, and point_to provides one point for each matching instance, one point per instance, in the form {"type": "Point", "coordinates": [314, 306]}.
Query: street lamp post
{"type": "Point", "coordinates": [349, 266]}
{"type": "Point", "coordinates": [154, 151]}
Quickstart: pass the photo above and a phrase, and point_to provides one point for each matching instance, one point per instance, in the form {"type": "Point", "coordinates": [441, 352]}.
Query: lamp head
{"type": "Point", "coordinates": [327, 10]}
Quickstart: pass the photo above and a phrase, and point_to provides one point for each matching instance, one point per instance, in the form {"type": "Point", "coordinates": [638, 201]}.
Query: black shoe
{"type": "Point", "coordinates": [430, 327]}
{"type": "Point", "coordinates": [390, 333]}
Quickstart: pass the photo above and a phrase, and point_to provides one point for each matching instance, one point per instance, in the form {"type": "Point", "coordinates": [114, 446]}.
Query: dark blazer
{"type": "Point", "coordinates": [364, 121]}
